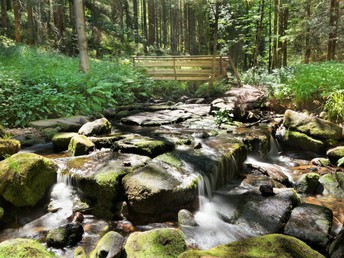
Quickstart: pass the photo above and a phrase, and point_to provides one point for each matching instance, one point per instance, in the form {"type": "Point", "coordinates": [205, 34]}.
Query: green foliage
{"type": "Point", "coordinates": [223, 116]}
{"type": "Point", "coordinates": [334, 106]}
{"type": "Point", "coordinates": [35, 84]}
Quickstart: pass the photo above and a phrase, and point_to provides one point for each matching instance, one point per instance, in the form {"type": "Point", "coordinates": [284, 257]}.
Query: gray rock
{"type": "Point", "coordinates": [80, 145]}
{"type": "Point", "coordinates": [66, 124]}
{"type": "Point", "coordinates": [332, 184]}
{"type": "Point", "coordinates": [186, 219]}
{"type": "Point", "coordinates": [336, 249]}
{"type": "Point", "coordinates": [310, 223]}
{"type": "Point", "coordinates": [335, 154]}
{"type": "Point", "coordinates": [97, 127]}
{"type": "Point", "coordinates": [67, 235]}
{"type": "Point", "coordinates": [110, 246]}
{"type": "Point", "coordinates": [62, 140]}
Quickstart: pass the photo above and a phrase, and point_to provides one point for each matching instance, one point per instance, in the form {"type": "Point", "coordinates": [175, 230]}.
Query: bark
{"type": "Point", "coordinates": [81, 31]}
{"type": "Point", "coordinates": [332, 37]}
{"type": "Point", "coordinates": [136, 20]}
{"type": "Point", "coordinates": [275, 34]}
{"type": "Point", "coordinates": [151, 22]}
{"type": "Point", "coordinates": [285, 42]}
{"type": "Point", "coordinates": [259, 29]}
{"type": "Point", "coordinates": [17, 24]}
{"type": "Point", "coordinates": [270, 37]}
{"type": "Point", "coordinates": [308, 31]}
{"type": "Point", "coordinates": [3, 17]}
{"type": "Point", "coordinates": [31, 35]}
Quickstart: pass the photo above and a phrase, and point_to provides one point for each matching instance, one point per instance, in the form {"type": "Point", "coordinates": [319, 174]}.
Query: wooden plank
{"type": "Point", "coordinates": [178, 71]}
{"type": "Point", "coordinates": [180, 78]}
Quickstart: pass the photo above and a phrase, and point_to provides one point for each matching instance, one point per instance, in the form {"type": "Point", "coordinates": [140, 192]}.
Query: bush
{"type": "Point", "coordinates": [334, 106]}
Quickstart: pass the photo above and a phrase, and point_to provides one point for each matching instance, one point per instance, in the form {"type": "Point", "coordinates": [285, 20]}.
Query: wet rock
{"type": "Point", "coordinates": [195, 101]}
{"type": "Point", "coordinates": [336, 249]}
{"type": "Point", "coordinates": [312, 126]}
{"type": "Point", "coordinates": [335, 154]}
{"type": "Point", "coordinates": [332, 184]}
{"type": "Point", "coordinates": [257, 142]}
{"type": "Point", "coordinates": [8, 147]}
{"type": "Point", "coordinates": [106, 141]}
{"type": "Point", "coordinates": [225, 103]}
{"type": "Point", "coordinates": [186, 219]}
{"type": "Point", "coordinates": [321, 162]}
{"type": "Point", "coordinates": [164, 242]}
{"type": "Point", "coordinates": [158, 189]}
{"type": "Point", "coordinates": [143, 146]}
{"type": "Point", "coordinates": [67, 235]}
{"type": "Point", "coordinates": [274, 245]}
{"type": "Point", "coordinates": [110, 112]}
{"type": "Point", "coordinates": [299, 141]}
{"type": "Point", "coordinates": [25, 177]}
{"type": "Point", "coordinates": [97, 127]}
{"type": "Point", "coordinates": [253, 180]}
{"type": "Point", "coordinates": [307, 183]}
{"type": "Point", "coordinates": [2, 131]}
{"type": "Point", "coordinates": [79, 252]}
{"type": "Point", "coordinates": [310, 223]}
{"type": "Point", "coordinates": [110, 245]}
{"type": "Point", "coordinates": [160, 117]}
{"type": "Point", "coordinates": [198, 145]}
{"type": "Point", "coordinates": [66, 124]}
{"type": "Point", "coordinates": [62, 140]}
{"type": "Point", "coordinates": [48, 133]}
{"type": "Point", "coordinates": [20, 247]}
{"type": "Point", "coordinates": [99, 176]}
{"type": "Point", "coordinates": [267, 190]}
{"type": "Point", "coordinates": [80, 145]}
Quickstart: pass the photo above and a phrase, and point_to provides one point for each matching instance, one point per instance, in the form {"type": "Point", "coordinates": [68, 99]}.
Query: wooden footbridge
{"type": "Point", "coordinates": [184, 68]}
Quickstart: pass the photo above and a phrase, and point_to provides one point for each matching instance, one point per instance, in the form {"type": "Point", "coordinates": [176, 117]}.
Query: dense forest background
{"type": "Point", "coordinates": [254, 32]}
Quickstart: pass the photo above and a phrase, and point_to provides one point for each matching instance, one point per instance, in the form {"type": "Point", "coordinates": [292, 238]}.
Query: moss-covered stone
{"type": "Point", "coordinates": [335, 154]}
{"type": "Point", "coordinates": [79, 252]}
{"type": "Point", "coordinates": [62, 140]}
{"type": "Point", "coordinates": [301, 141]}
{"type": "Point", "coordinates": [110, 245]}
{"type": "Point", "coordinates": [268, 246]}
{"type": "Point", "coordinates": [333, 184]}
{"type": "Point", "coordinates": [80, 145]}
{"type": "Point", "coordinates": [257, 143]}
{"type": "Point", "coordinates": [23, 248]}
{"type": "Point", "coordinates": [2, 131]}
{"type": "Point", "coordinates": [8, 147]}
{"type": "Point", "coordinates": [144, 146]}
{"type": "Point", "coordinates": [67, 235]}
{"type": "Point", "coordinates": [312, 126]}
{"type": "Point", "coordinates": [166, 242]}
{"type": "Point", "coordinates": [25, 177]}
{"type": "Point", "coordinates": [307, 183]}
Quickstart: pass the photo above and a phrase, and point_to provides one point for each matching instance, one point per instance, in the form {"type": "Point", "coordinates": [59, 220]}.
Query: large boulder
{"type": "Point", "coordinates": [65, 124]}
{"type": "Point", "coordinates": [99, 176]}
{"type": "Point", "coordinates": [312, 126]}
{"type": "Point", "coordinates": [274, 245]}
{"type": "Point", "coordinates": [25, 177]}
{"type": "Point", "coordinates": [335, 154]}
{"type": "Point", "coordinates": [23, 248]}
{"type": "Point", "coordinates": [164, 242]}
{"type": "Point", "coordinates": [307, 183]}
{"type": "Point", "coordinates": [332, 184]}
{"type": "Point", "coordinates": [67, 235]}
{"type": "Point", "coordinates": [97, 127]}
{"type": "Point", "coordinates": [62, 140]}
{"type": "Point", "coordinates": [110, 245]}
{"type": "Point", "coordinates": [8, 147]}
{"type": "Point", "coordinates": [336, 249]}
{"type": "Point", "coordinates": [310, 223]}
{"type": "Point", "coordinates": [80, 145]}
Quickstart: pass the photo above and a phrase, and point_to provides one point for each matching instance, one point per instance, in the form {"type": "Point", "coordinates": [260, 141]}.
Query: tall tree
{"type": "Point", "coordinates": [82, 39]}
{"type": "Point", "coordinates": [259, 29]}
{"type": "Point", "coordinates": [30, 23]}
{"type": "Point", "coordinates": [332, 37]}
{"type": "Point", "coordinates": [308, 5]}
{"type": "Point", "coordinates": [3, 17]}
{"type": "Point", "coordinates": [17, 22]}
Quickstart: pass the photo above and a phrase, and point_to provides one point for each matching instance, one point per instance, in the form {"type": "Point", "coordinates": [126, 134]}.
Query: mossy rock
{"type": "Point", "coordinates": [67, 235]}
{"type": "Point", "coordinates": [62, 140]}
{"type": "Point", "coordinates": [143, 146]}
{"type": "Point", "coordinates": [79, 252]}
{"type": "Point", "coordinates": [110, 245]}
{"type": "Point", "coordinates": [2, 131]}
{"type": "Point", "coordinates": [80, 145]}
{"type": "Point", "coordinates": [8, 147]}
{"type": "Point", "coordinates": [267, 246]}
{"type": "Point", "coordinates": [23, 248]}
{"type": "Point", "coordinates": [335, 154]}
{"type": "Point", "coordinates": [164, 242]}
{"type": "Point", "coordinates": [307, 183]}
{"type": "Point", "coordinates": [301, 141]}
{"type": "Point", "coordinates": [312, 126]}
{"type": "Point", "coordinates": [25, 178]}
{"type": "Point", "coordinates": [97, 127]}
{"type": "Point", "coordinates": [333, 184]}
{"type": "Point", "coordinates": [257, 143]}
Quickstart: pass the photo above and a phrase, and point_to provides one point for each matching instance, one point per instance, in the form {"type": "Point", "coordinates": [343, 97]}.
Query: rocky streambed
{"type": "Point", "coordinates": [171, 180]}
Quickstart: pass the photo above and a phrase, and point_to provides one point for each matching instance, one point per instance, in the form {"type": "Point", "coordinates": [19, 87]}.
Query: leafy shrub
{"type": "Point", "coordinates": [334, 106]}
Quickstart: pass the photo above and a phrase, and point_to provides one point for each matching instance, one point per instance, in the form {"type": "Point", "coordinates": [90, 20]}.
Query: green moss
{"type": "Point", "coordinates": [9, 147]}
{"type": "Point", "coordinates": [23, 248]}
{"type": "Point", "coordinates": [62, 140]}
{"type": "Point", "coordinates": [25, 177]}
{"type": "Point", "coordinates": [268, 246]}
{"type": "Point", "coordinates": [302, 141]}
{"type": "Point", "coordinates": [79, 252]}
{"type": "Point", "coordinates": [170, 159]}
{"type": "Point", "coordinates": [110, 245]}
{"type": "Point", "coordinates": [165, 243]}
{"type": "Point", "coordinates": [80, 145]}
{"type": "Point", "coordinates": [2, 131]}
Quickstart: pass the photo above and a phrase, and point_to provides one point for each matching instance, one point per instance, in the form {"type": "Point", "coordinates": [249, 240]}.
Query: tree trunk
{"type": "Point", "coordinates": [82, 40]}
{"type": "Point", "coordinates": [59, 17]}
{"type": "Point", "coordinates": [3, 17]}
{"type": "Point", "coordinates": [270, 37]}
{"type": "Point", "coordinates": [151, 22]}
{"type": "Point", "coordinates": [275, 35]}
{"type": "Point", "coordinates": [259, 29]}
{"type": "Point", "coordinates": [136, 20]}
{"type": "Point", "coordinates": [144, 24]}
{"type": "Point", "coordinates": [308, 31]}
{"type": "Point", "coordinates": [285, 42]}
{"type": "Point", "coordinates": [332, 37]}
{"type": "Point", "coordinates": [17, 16]}
{"type": "Point", "coordinates": [30, 23]}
